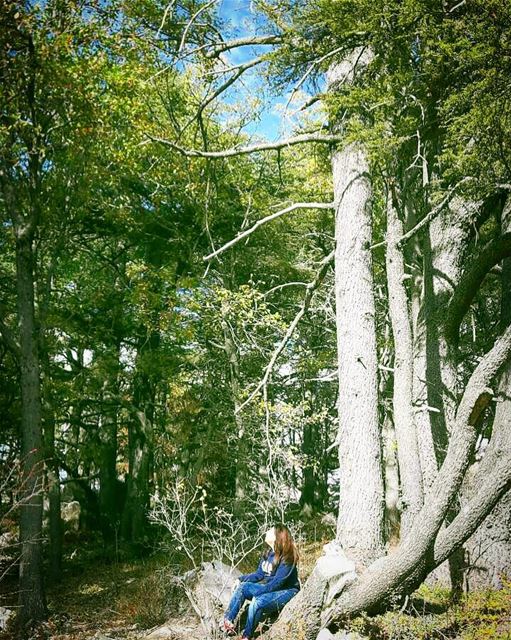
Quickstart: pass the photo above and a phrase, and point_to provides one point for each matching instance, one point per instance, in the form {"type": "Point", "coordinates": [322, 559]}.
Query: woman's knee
{"type": "Point", "coordinates": [255, 605]}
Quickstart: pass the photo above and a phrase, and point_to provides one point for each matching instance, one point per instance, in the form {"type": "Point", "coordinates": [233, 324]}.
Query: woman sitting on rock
{"type": "Point", "coordinates": [270, 587]}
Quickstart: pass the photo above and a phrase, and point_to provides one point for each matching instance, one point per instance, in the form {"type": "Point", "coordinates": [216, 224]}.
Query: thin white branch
{"type": "Point", "coordinates": [273, 216]}
{"type": "Point", "coordinates": [191, 21]}
{"type": "Point", "coordinates": [311, 68]}
{"type": "Point", "coordinates": [168, 8]}
{"type": "Point", "coordinates": [238, 151]}
{"type": "Point", "coordinates": [309, 292]}
{"type": "Point", "coordinates": [283, 286]}
{"type": "Point", "coordinates": [242, 42]}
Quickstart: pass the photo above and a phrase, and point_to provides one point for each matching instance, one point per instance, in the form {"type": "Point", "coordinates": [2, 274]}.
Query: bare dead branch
{"type": "Point", "coordinates": [310, 69]}
{"type": "Point", "coordinates": [168, 9]}
{"type": "Point", "coordinates": [240, 70]}
{"type": "Point", "coordinates": [191, 21]}
{"type": "Point", "coordinates": [263, 146]}
{"type": "Point", "coordinates": [273, 216]}
{"type": "Point", "coordinates": [309, 292]}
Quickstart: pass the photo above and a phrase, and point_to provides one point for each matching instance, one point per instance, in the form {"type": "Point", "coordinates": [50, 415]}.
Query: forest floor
{"type": "Point", "coordinates": [100, 598]}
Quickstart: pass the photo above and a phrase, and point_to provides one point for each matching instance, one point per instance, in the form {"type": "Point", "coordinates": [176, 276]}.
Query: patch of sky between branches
{"type": "Point", "coordinates": [241, 18]}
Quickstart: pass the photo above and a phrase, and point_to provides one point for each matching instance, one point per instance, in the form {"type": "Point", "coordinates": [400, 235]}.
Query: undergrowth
{"type": "Point", "coordinates": [123, 598]}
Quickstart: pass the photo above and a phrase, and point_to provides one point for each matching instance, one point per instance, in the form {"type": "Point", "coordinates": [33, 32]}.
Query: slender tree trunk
{"type": "Point", "coordinates": [242, 478]}
{"type": "Point", "coordinates": [31, 598]}
{"type": "Point", "coordinates": [108, 482]}
{"type": "Point", "coordinates": [404, 423]}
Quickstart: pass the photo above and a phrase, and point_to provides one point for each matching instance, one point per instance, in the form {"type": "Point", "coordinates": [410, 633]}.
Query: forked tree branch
{"type": "Point", "coordinates": [428, 218]}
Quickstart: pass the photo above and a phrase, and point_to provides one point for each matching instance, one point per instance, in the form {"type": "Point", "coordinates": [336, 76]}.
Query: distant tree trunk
{"type": "Point", "coordinates": [140, 443]}
{"type": "Point", "coordinates": [31, 599]}
{"type": "Point", "coordinates": [242, 477]}
{"type": "Point", "coordinates": [108, 483]}
{"type": "Point", "coordinates": [308, 490]}
{"type": "Point", "coordinates": [53, 484]}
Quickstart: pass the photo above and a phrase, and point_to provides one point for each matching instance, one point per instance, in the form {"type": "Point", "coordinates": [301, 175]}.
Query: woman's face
{"type": "Point", "coordinates": [270, 538]}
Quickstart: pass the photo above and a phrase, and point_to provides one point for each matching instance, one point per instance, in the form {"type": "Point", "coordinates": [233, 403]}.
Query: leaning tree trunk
{"type": "Point", "coordinates": [31, 596]}
{"type": "Point", "coordinates": [489, 549]}
{"type": "Point", "coordinates": [443, 248]}
{"type": "Point", "coordinates": [415, 555]}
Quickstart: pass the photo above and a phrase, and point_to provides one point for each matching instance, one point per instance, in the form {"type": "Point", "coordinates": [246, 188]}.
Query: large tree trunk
{"type": "Point", "coordinates": [361, 500]}
{"type": "Point", "coordinates": [361, 497]}
{"type": "Point", "coordinates": [31, 598]}
{"type": "Point", "coordinates": [415, 553]}
{"type": "Point", "coordinates": [406, 567]}
{"type": "Point", "coordinates": [489, 549]}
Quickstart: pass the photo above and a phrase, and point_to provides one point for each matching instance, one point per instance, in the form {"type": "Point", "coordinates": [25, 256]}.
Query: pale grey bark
{"type": "Point", "coordinates": [489, 549]}
{"type": "Point", "coordinates": [450, 234]}
{"type": "Point", "coordinates": [404, 420]}
{"type": "Point", "coordinates": [360, 522]}
{"type": "Point", "coordinates": [387, 574]}
{"type": "Point", "coordinates": [361, 495]}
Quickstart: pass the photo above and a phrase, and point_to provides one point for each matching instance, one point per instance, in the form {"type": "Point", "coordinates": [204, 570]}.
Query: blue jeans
{"type": "Point", "coordinates": [261, 603]}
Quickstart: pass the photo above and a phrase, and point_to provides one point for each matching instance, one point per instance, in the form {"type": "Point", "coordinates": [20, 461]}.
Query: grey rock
{"type": "Point", "coordinates": [5, 615]}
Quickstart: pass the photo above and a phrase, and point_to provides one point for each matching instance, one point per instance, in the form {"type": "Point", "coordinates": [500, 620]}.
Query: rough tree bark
{"type": "Point", "coordinates": [361, 497]}
{"type": "Point", "coordinates": [489, 549]}
{"type": "Point", "coordinates": [31, 599]}
{"type": "Point", "coordinates": [140, 444]}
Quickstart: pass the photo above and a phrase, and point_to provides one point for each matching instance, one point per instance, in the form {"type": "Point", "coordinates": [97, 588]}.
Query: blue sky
{"type": "Point", "coordinates": [242, 19]}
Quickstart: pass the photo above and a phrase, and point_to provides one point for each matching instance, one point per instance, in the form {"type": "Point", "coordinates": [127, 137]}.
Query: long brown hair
{"type": "Point", "coordinates": [285, 548]}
